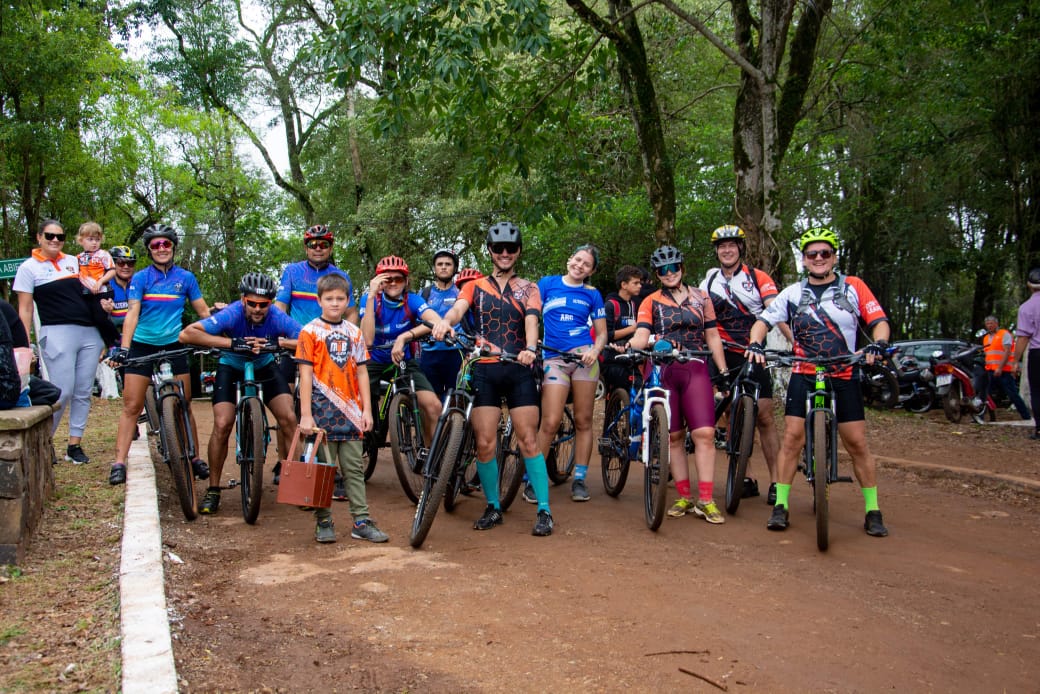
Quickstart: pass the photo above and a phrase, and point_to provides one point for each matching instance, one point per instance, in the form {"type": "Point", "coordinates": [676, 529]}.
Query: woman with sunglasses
{"type": "Point", "coordinates": [152, 324]}
{"type": "Point", "coordinates": [684, 316]}
{"type": "Point", "coordinates": [570, 306]}
{"type": "Point", "coordinates": [69, 342]}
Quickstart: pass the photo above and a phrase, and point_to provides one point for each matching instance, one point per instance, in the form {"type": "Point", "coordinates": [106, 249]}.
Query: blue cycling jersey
{"type": "Point", "coordinates": [391, 320]}
{"type": "Point", "coordinates": [120, 303]}
{"type": "Point", "coordinates": [441, 301]}
{"type": "Point", "coordinates": [568, 312]}
{"type": "Point", "coordinates": [162, 297]}
{"type": "Point", "coordinates": [231, 322]}
{"type": "Point", "coordinates": [299, 290]}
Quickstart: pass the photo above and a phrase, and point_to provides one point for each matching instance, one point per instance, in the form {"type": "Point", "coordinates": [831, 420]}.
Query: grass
{"type": "Point", "coordinates": [59, 610]}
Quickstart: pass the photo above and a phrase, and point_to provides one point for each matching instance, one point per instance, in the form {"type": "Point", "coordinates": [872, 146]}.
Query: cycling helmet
{"type": "Point", "coordinates": [504, 232]}
{"type": "Point", "coordinates": [392, 263]}
{"type": "Point", "coordinates": [665, 255]}
{"type": "Point", "coordinates": [818, 234]}
{"type": "Point", "coordinates": [259, 284]}
{"type": "Point", "coordinates": [467, 274]}
{"type": "Point", "coordinates": [448, 254]}
{"type": "Point", "coordinates": [728, 232]}
{"type": "Point", "coordinates": [1033, 280]}
{"type": "Point", "coordinates": [318, 231]}
{"type": "Point", "coordinates": [158, 231]}
{"type": "Point", "coordinates": [123, 253]}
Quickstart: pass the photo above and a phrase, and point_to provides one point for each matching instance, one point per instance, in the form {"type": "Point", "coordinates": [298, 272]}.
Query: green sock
{"type": "Point", "coordinates": [870, 498]}
{"type": "Point", "coordinates": [783, 491]}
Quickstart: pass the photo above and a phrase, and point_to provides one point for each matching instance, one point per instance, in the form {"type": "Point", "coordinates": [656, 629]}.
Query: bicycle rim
{"type": "Point", "coordinates": [560, 463]}
{"type": "Point", "coordinates": [743, 429]}
{"type": "Point", "coordinates": [404, 445]}
{"type": "Point", "coordinates": [438, 472]}
{"type": "Point", "coordinates": [510, 464]}
{"type": "Point", "coordinates": [251, 459]}
{"type": "Point", "coordinates": [152, 427]}
{"type": "Point", "coordinates": [614, 451]}
{"type": "Point", "coordinates": [176, 439]}
{"type": "Point", "coordinates": [821, 460]}
{"type": "Point", "coordinates": [655, 480]}
{"type": "Point", "coordinates": [467, 458]}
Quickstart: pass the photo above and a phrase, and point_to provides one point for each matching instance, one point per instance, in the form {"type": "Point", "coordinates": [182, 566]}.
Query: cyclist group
{"type": "Point", "coordinates": [560, 320]}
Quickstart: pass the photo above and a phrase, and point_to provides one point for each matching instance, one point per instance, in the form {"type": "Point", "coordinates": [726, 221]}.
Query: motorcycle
{"type": "Point", "coordinates": [879, 381]}
{"type": "Point", "coordinates": [917, 390]}
{"type": "Point", "coordinates": [955, 384]}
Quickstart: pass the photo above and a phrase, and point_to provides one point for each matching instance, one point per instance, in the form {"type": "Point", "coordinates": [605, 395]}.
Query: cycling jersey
{"type": "Point", "coordinates": [335, 350]}
{"type": "Point", "coordinates": [162, 298]}
{"type": "Point", "coordinates": [120, 303]}
{"type": "Point", "coordinates": [738, 301]}
{"type": "Point", "coordinates": [820, 324]}
{"type": "Point", "coordinates": [441, 301]}
{"type": "Point", "coordinates": [682, 325]}
{"type": "Point", "coordinates": [232, 322]}
{"type": "Point", "coordinates": [55, 287]}
{"type": "Point", "coordinates": [393, 318]}
{"type": "Point", "coordinates": [93, 265]}
{"type": "Point", "coordinates": [498, 316]}
{"type": "Point", "coordinates": [298, 290]}
{"type": "Point", "coordinates": [567, 313]}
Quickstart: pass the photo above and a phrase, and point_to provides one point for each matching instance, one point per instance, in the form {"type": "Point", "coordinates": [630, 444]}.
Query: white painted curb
{"type": "Point", "coordinates": [148, 664]}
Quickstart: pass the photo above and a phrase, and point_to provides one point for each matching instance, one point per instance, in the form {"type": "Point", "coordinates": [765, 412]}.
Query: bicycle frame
{"type": "Point", "coordinates": [248, 389]}
{"type": "Point", "coordinates": [165, 385]}
{"type": "Point", "coordinates": [821, 399]}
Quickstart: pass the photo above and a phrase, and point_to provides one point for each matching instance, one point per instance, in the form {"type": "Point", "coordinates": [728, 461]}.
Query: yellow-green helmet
{"type": "Point", "coordinates": [728, 232]}
{"type": "Point", "coordinates": [818, 234]}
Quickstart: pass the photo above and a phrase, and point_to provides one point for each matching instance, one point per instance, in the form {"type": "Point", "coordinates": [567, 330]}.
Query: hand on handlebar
{"type": "Point", "coordinates": [247, 345]}
{"type": "Point", "coordinates": [526, 357]}
{"type": "Point", "coordinates": [756, 352]}
{"type": "Point", "coordinates": [875, 351]}
{"type": "Point", "coordinates": [118, 357]}
{"type": "Point", "coordinates": [440, 329]}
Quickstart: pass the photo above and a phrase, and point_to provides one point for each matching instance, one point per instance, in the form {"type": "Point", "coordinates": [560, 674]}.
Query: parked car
{"type": "Point", "coordinates": [922, 350]}
{"type": "Point", "coordinates": [912, 360]}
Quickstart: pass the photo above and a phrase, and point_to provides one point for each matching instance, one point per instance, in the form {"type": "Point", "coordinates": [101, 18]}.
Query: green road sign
{"type": "Point", "coordinates": [9, 267]}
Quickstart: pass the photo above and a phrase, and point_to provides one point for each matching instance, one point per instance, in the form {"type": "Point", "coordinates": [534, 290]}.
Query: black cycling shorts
{"type": "Point", "coordinates": [735, 360]}
{"type": "Point", "coordinates": [141, 349]}
{"type": "Point", "coordinates": [848, 397]}
{"type": "Point", "coordinates": [269, 377]}
{"type": "Point", "coordinates": [496, 380]}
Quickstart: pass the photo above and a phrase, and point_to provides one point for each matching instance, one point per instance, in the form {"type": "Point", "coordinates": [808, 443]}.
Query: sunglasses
{"type": "Point", "coordinates": [826, 254]}
{"type": "Point", "coordinates": [258, 304]}
{"type": "Point", "coordinates": [669, 269]}
{"type": "Point", "coordinates": [319, 245]}
{"type": "Point", "coordinates": [124, 263]}
{"type": "Point", "coordinates": [394, 280]}
{"type": "Point", "coordinates": [159, 245]}
{"type": "Point", "coordinates": [54, 237]}
{"type": "Point", "coordinates": [500, 248]}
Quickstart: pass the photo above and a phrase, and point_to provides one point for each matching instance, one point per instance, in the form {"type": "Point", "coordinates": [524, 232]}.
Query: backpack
{"type": "Point", "coordinates": [715, 272]}
{"type": "Point", "coordinates": [808, 298]}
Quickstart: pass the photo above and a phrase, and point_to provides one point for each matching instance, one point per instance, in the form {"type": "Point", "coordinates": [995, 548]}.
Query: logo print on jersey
{"type": "Point", "coordinates": [339, 348]}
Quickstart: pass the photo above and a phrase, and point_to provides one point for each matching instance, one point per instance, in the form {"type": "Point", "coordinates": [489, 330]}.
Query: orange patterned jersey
{"type": "Point", "coordinates": [334, 350]}
{"type": "Point", "coordinates": [498, 316]}
{"type": "Point", "coordinates": [681, 324]}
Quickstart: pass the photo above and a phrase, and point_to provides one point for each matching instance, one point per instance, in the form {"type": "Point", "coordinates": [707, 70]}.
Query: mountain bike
{"type": "Point", "coordinates": [560, 461]}
{"type": "Point", "coordinates": [172, 439]}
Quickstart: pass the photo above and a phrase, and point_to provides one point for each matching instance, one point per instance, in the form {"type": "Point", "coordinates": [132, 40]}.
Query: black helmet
{"type": "Point", "coordinates": [123, 253]}
{"type": "Point", "coordinates": [447, 253]}
{"type": "Point", "coordinates": [259, 284]}
{"type": "Point", "coordinates": [158, 231]}
{"type": "Point", "coordinates": [504, 232]}
{"type": "Point", "coordinates": [665, 255]}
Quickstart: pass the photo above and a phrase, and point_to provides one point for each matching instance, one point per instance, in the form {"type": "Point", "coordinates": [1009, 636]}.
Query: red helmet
{"type": "Point", "coordinates": [392, 263]}
{"type": "Point", "coordinates": [467, 274]}
{"type": "Point", "coordinates": [318, 231]}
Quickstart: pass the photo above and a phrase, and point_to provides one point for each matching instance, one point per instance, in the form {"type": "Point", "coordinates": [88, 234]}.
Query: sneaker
{"type": "Point", "coordinates": [117, 475]}
{"type": "Point", "coordinates": [325, 531]}
{"type": "Point", "coordinates": [366, 529]}
{"type": "Point", "coordinates": [210, 502]}
{"type": "Point", "coordinates": [750, 488]}
{"type": "Point", "coordinates": [1035, 436]}
{"type": "Point", "coordinates": [709, 511]}
{"type": "Point", "coordinates": [720, 438]}
{"type": "Point", "coordinates": [544, 525]}
{"type": "Point", "coordinates": [874, 526]}
{"type": "Point", "coordinates": [277, 473]}
{"type": "Point", "coordinates": [492, 517]}
{"type": "Point", "coordinates": [76, 455]}
{"type": "Point", "coordinates": [579, 492]}
{"type": "Point", "coordinates": [771, 496]}
{"type": "Point", "coordinates": [778, 521]}
{"type": "Point", "coordinates": [680, 508]}
{"type": "Point", "coordinates": [339, 492]}
{"type": "Point", "coordinates": [529, 496]}
{"type": "Point", "coordinates": [200, 469]}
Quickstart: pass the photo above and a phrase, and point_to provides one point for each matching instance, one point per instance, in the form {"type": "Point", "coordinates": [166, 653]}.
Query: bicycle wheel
{"type": "Point", "coordinates": [952, 402]}
{"type": "Point", "coordinates": [613, 454]}
{"type": "Point", "coordinates": [467, 459]}
{"type": "Point", "coordinates": [438, 473]}
{"type": "Point", "coordinates": [175, 437]}
{"type": "Point", "coordinates": [655, 481]}
{"type": "Point", "coordinates": [560, 463]}
{"type": "Point", "coordinates": [371, 454]}
{"type": "Point", "coordinates": [742, 431]}
{"type": "Point", "coordinates": [821, 455]}
{"type": "Point", "coordinates": [152, 427]}
{"type": "Point", "coordinates": [510, 463]}
{"type": "Point", "coordinates": [405, 444]}
{"type": "Point", "coordinates": [251, 458]}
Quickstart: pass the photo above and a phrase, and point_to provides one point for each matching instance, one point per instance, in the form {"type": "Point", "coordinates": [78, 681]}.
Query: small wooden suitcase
{"type": "Point", "coordinates": [305, 481]}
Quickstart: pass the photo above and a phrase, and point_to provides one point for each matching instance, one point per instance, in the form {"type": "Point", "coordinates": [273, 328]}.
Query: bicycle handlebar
{"type": "Point", "coordinates": [169, 354]}
{"type": "Point", "coordinates": [790, 358]}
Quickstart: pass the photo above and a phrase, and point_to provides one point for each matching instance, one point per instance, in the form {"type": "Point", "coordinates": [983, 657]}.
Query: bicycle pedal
{"type": "Point", "coordinates": [231, 484]}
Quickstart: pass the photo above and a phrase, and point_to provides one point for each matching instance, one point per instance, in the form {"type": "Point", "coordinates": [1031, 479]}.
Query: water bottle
{"type": "Point", "coordinates": [166, 371]}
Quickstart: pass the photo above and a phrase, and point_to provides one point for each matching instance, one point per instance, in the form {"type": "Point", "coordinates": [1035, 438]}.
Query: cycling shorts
{"type": "Point", "coordinates": [269, 377]}
{"type": "Point", "coordinates": [558, 372]}
{"type": "Point", "coordinates": [496, 380]}
{"type": "Point", "coordinates": [690, 395]}
{"type": "Point", "coordinates": [143, 349]}
{"type": "Point", "coordinates": [619, 375]}
{"type": "Point", "coordinates": [848, 397]}
{"type": "Point", "coordinates": [385, 371]}
{"type": "Point", "coordinates": [735, 360]}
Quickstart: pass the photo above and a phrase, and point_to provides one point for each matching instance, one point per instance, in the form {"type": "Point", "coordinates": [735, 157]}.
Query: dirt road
{"type": "Point", "coordinates": [947, 602]}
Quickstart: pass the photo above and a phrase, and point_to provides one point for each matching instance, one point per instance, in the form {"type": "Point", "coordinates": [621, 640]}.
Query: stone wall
{"type": "Point", "coordinates": [26, 476]}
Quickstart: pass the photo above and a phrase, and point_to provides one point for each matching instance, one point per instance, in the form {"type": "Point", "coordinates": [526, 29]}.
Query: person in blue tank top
{"type": "Point", "coordinates": [152, 324]}
{"type": "Point", "coordinates": [390, 315]}
{"type": "Point", "coordinates": [441, 361]}
{"type": "Point", "coordinates": [240, 331]}
{"type": "Point", "coordinates": [571, 308]}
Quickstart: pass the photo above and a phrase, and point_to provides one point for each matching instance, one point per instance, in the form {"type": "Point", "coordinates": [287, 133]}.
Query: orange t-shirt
{"type": "Point", "coordinates": [334, 350]}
